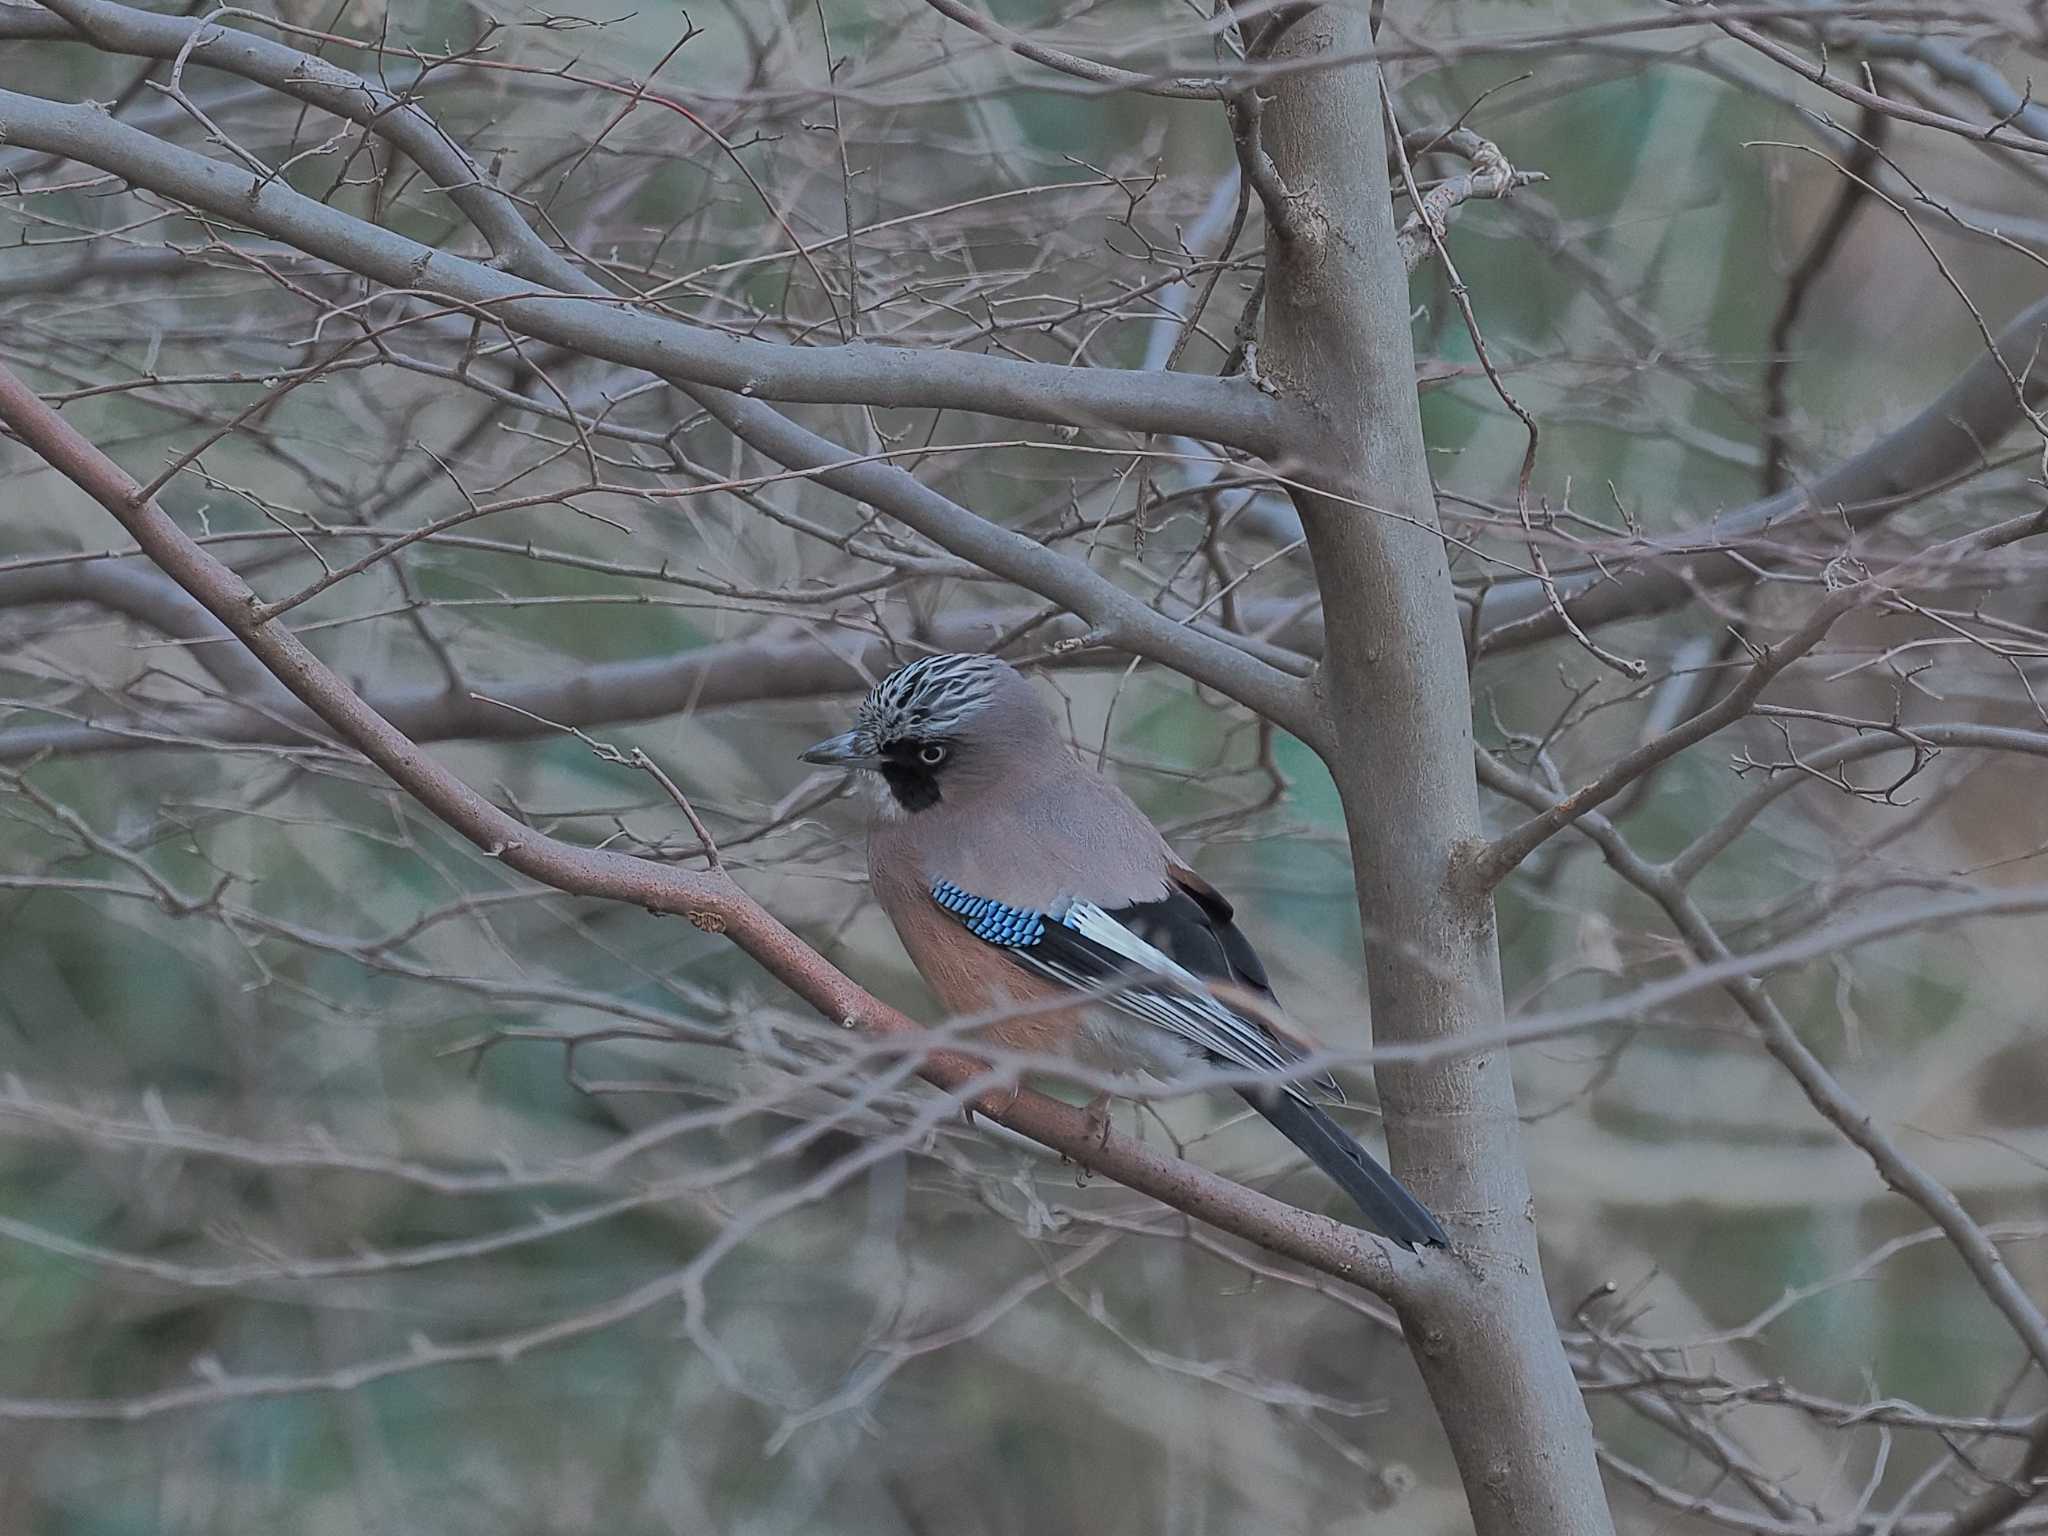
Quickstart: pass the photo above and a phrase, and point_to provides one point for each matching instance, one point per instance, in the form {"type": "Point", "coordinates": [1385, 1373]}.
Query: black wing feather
{"type": "Point", "coordinates": [1381, 1198]}
{"type": "Point", "coordinates": [1192, 926]}
{"type": "Point", "coordinates": [1222, 1033]}
{"type": "Point", "coordinates": [1199, 935]}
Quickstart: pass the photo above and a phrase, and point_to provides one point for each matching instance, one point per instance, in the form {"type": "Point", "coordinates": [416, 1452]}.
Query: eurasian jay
{"type": "Point", "coordinates": [1014, 873]}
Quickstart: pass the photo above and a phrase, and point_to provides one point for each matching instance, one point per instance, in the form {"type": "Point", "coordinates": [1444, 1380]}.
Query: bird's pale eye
{"type": "Point", "coordinates": [932, 753]}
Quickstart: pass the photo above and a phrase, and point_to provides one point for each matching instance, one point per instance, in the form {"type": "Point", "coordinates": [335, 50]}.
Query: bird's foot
{"type": "Point", "coordinates": [1099, 1123]}
{"type": "Point", "coordinates": [992, 1105]}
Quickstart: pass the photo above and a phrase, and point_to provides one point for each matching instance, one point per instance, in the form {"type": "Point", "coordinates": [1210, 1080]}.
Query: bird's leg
{"type": "Point", "coordinates": [991, 1109]}
{"type": "Point", "coordinates": [1099, 1123]}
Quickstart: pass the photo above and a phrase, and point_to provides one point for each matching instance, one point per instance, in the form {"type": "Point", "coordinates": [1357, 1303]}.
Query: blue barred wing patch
{"type": "Point", "coordinates": [991, 921]}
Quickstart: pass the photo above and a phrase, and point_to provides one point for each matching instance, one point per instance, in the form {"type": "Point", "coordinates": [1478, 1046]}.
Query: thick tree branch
{"type": "Point", "coordinates": [1844, 86]}
{"type": "Point", "coordinates": [1394, 686]}
{"type": "Point", "coordinates": [1108, 76]}
{"type": "Point", "coordinates": [152, 599]}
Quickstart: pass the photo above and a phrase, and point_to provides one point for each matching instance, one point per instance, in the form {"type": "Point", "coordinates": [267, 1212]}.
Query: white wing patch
{"type": "Point", "coordinates": [1187, 1010]}
{"type": "Point", "coordinates": [1091, 922]}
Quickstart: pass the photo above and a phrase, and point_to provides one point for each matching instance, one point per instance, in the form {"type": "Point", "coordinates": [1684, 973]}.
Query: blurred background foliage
{"type": "Point", "coordinates": [255, 1146]}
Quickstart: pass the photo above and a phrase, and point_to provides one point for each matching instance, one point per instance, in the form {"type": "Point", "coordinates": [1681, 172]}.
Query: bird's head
{"type": "Point", "coordinates": [939, 725]}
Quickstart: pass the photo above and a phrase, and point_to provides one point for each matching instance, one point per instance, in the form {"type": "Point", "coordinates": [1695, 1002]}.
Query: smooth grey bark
{"type": "Point", "coordinates": [1394, 691]}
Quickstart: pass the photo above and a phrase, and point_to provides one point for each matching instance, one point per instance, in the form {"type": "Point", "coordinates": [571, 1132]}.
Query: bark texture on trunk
{"type": "Point", "coordinates": [1394, 689]}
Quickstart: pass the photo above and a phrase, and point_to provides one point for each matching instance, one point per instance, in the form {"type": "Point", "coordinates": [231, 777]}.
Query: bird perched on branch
{"type": "Point", "coordinates": [1016, 875]}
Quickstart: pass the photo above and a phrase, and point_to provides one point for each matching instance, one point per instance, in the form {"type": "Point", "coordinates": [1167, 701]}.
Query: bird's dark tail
{"type": "Point", "coordinates": [1387, 1206]}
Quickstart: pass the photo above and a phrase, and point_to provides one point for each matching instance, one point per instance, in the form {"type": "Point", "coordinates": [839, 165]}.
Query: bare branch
{"type": "Point", "coordinates": [1220, 410]}
{"type": "Point", "coordinates": [1109, 76]}
{"type": "Point", "coordinates": [1952, 436]}
{"type": "Point", "coordinates": [1488, 867]}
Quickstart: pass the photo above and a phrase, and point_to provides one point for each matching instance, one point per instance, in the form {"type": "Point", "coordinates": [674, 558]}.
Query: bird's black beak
{"type": "Point", "coordinates": [846, 750]}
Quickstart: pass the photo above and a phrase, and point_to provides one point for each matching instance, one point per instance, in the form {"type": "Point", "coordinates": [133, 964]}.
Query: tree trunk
{"type": "Point", "coordinates": [1394, 689]}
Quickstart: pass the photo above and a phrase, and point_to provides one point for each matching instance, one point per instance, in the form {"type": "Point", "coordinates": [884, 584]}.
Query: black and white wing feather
{"type": "Point", "coordinates": [1092, 950]}
{"type": "Point", "coordinates": [1152, 961]}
